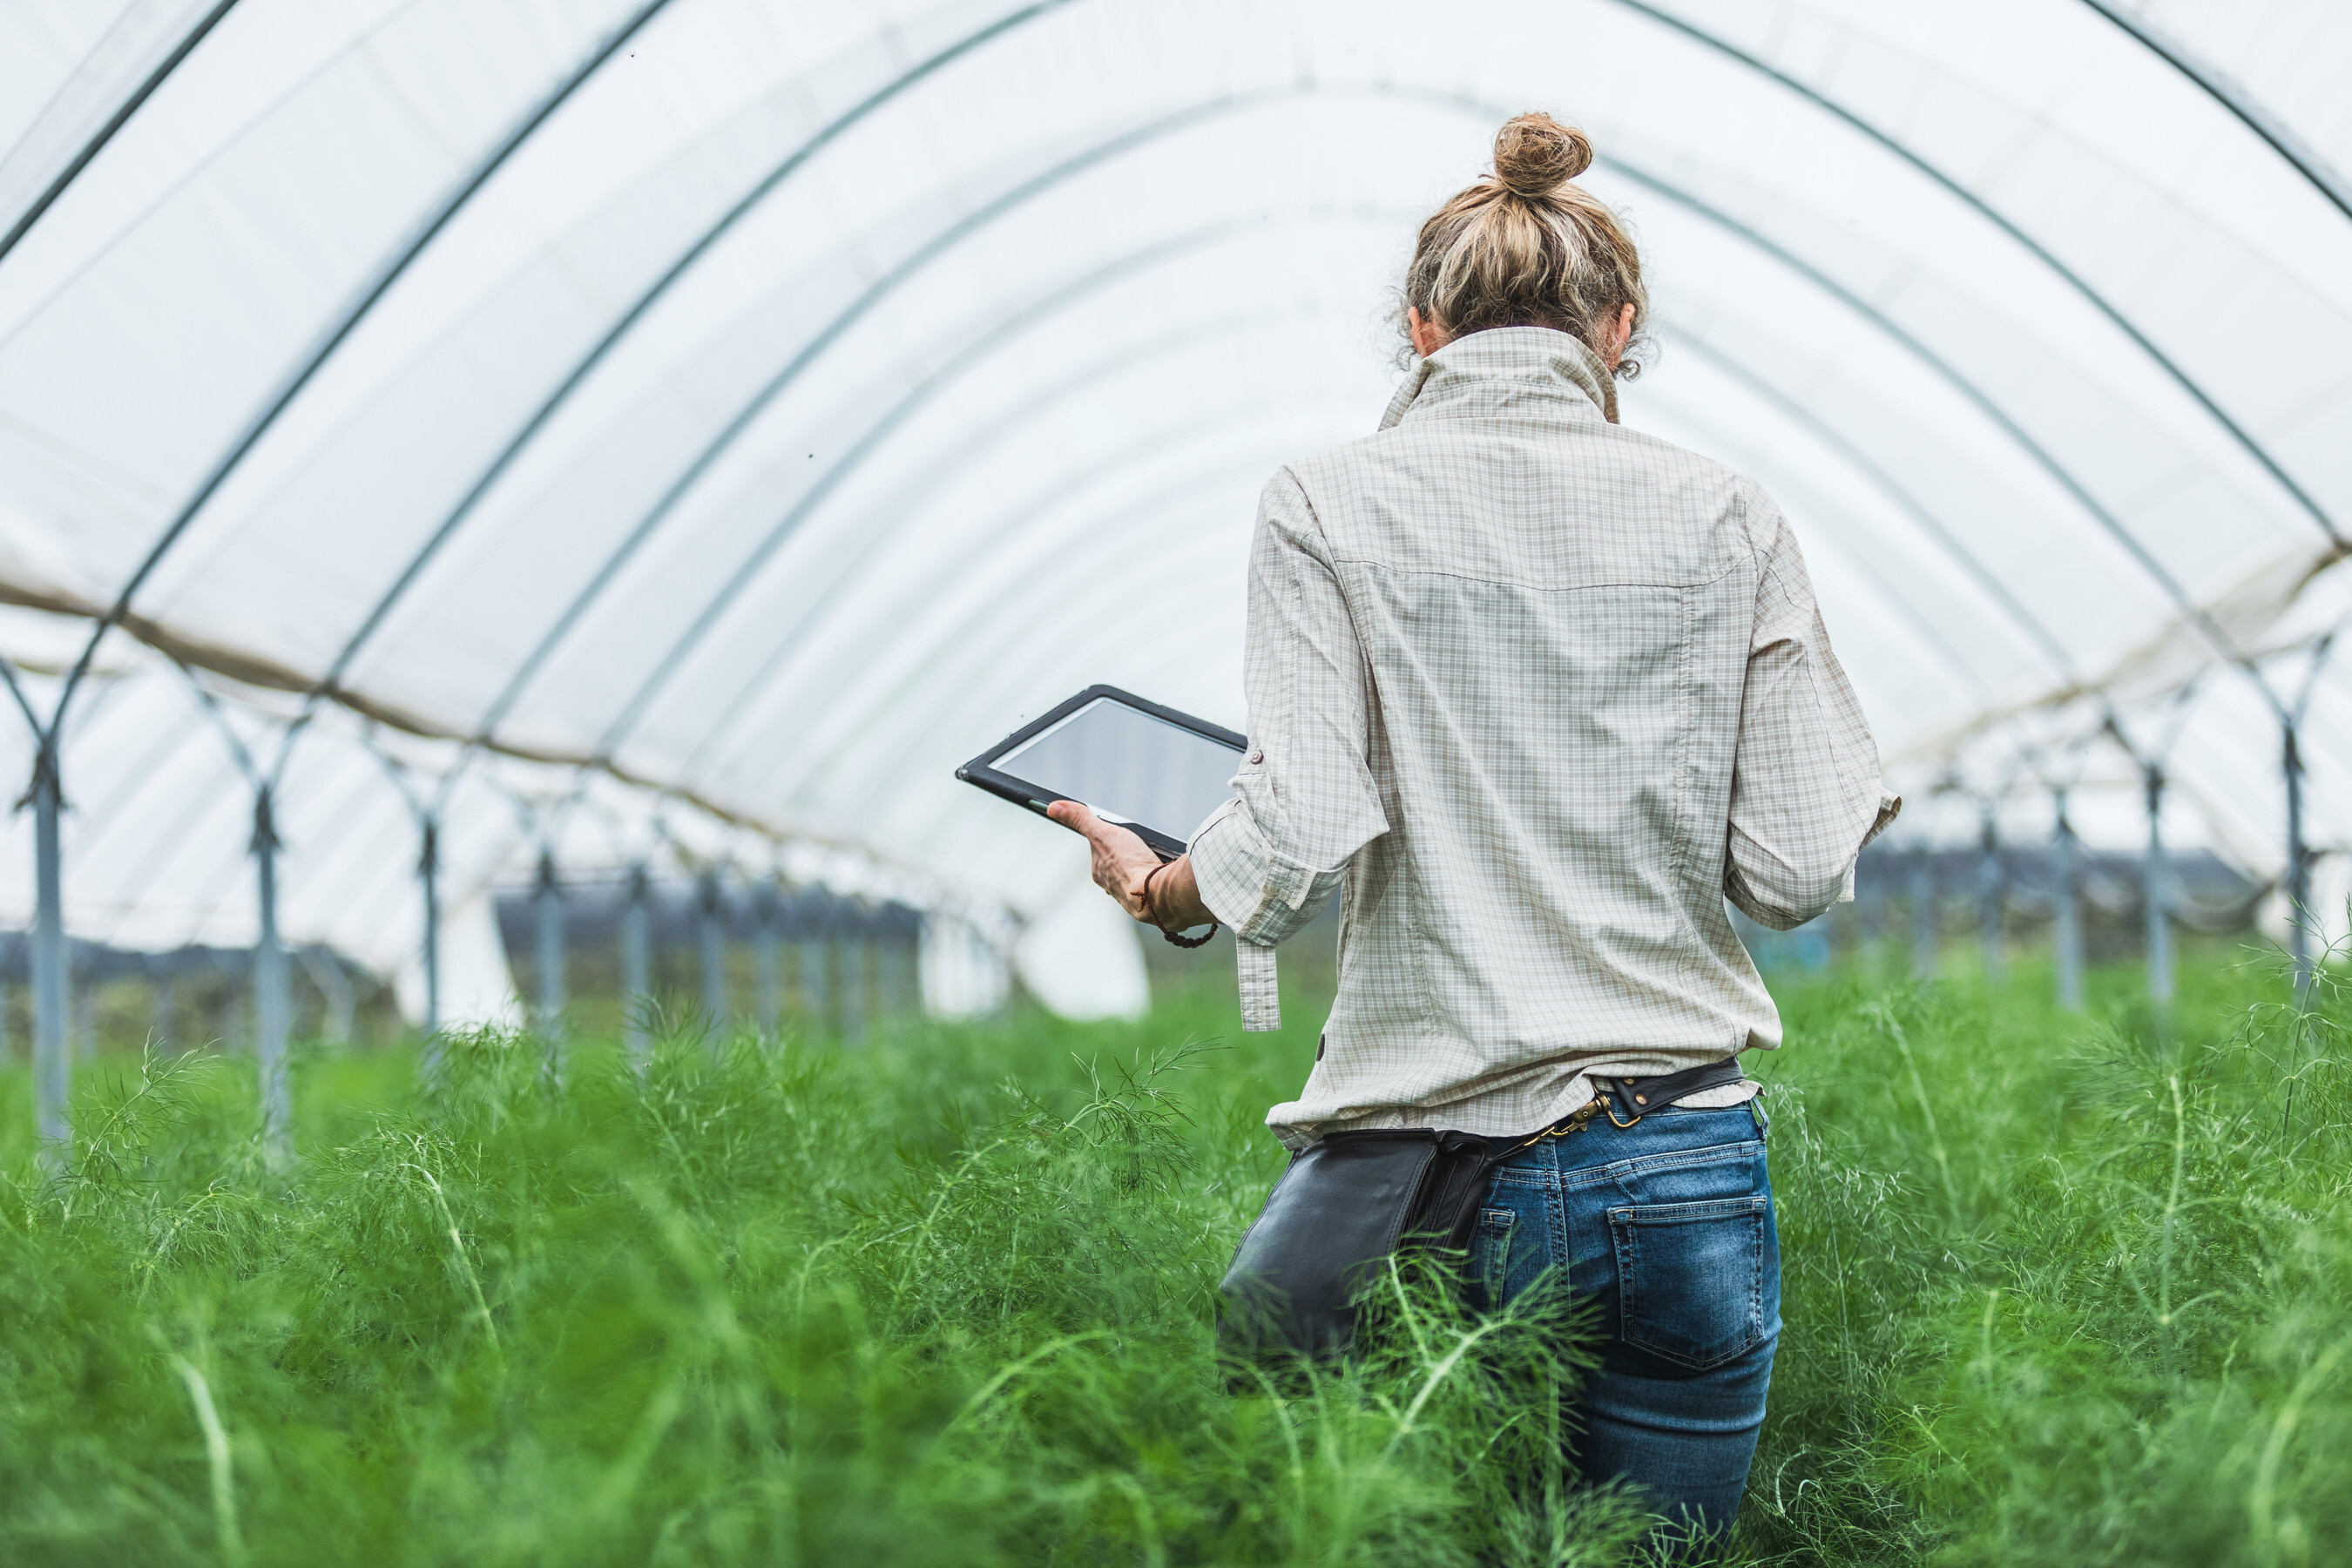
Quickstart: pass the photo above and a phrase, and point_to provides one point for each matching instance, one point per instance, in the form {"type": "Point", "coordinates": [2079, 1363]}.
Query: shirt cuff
{"type": "Point", "coordinates": [1229, 866]}
{"type": "Point", "coordinates": [1260, 896]}
{"type": "Point", "coordinates": [1890, 807]}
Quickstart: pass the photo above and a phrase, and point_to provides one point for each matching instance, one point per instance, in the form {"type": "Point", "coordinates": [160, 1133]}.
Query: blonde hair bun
{"type": "Point", "coordinates": [1529, 247]}
{"type": "Point", "coordinates": [1536, 155]}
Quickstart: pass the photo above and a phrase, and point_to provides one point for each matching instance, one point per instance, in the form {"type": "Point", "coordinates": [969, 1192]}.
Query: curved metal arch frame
{"type": "Point", "coordinates": [200, 716]}
{"type": "Point", "coordinates": [17, 691]}
{"type": "Point", "coordinates": [1869, 313]}
{"type": "Point", "coordinates": [1459, 102]}
{"type": "Point", "coordinates": [863, 304]}
{"type": "Point", "coordinates": [1049, 304]}
{"type": "Point", "coordinates": [943, 894]}
{"type": "Point", "coordinates": [209, 706]}
{"type": "Point", "coordinates": [895, 764]}
{"type": "Point", "coordinates": [748, 701]}
{"type": "Point", "coordinates": [1891, 595]}
{"type": "Point", "coordinates": [1886, 484]}
{"type": "Point", "coordinates": [360, 792]}
{"type": "Point", "coordinates": [1189, 336]}
{"type": "Point", "coordinates": [176, 832]}
{"type": "Point", "coordinates": [893, 89]}
{"type": "Point", "coordinates": [1977, 572]}
{"type": "Point", "coordinates": [571, 382]}
{"type": "Point", "coordinates": [2242, 106]}
{"type": "Point", "coordinates": [904, 757]}
{"type": "Point", "coordinates": [682, 793]}
{"type": "Point", "coordinates": [114, 122]}
{"type": "Point", "coordinates": [1976, 395]}
{"type": "Point", "coordinates": [1227, 104]}
{"type": "Point", "coordinates": [770, 667]}
{"type": "Point", "coordinates": [1675, 24]}
{"type": "Point", "coordinates": [2242, 110]}
{"type": "Point", "coordinates": [1680, 26]}
{"type": "Point", "coordinates": [315, 358]}
{"type": "Point", "coordinates": [2041, 253]}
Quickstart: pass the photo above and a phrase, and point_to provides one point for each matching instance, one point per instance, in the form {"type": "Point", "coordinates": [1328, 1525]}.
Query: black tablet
{"type": "Point", "coordinates": [1144, 767]}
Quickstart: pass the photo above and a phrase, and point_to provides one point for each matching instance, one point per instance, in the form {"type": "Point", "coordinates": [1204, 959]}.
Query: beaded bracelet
{"type": "Point", "coordinates": [1152, 915]}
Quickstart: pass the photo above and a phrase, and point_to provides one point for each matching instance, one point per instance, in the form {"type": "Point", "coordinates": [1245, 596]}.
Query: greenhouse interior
{"type": "Point", "coordinates": [512, 513]}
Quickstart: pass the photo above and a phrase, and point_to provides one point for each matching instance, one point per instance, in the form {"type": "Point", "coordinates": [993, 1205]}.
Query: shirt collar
{"type": "Point", "coordinates": [1524, 371]}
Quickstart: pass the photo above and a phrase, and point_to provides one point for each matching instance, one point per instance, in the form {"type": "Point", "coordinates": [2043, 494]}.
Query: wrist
{"type": "Point", "coordinates": [1171, 896]}
{"type": "Point", "coordinates": [1140, 896]}
{"type": "Point", "coordinates": [1174, 903]}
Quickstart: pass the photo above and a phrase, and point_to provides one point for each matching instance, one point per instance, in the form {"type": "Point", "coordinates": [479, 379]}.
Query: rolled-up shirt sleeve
{"type": "Point", "coordinates": [1305, 800]}
{"type": "Point", "coordinates": [1805, 790]}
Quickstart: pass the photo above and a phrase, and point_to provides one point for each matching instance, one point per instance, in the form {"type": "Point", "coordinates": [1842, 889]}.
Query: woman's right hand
{"type": "Point", "coordinates": [1123, 864]}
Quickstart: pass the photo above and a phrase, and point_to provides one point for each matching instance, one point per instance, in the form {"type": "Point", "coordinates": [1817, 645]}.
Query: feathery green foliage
{"type": "Point", "coordinates": [2058, 1290]}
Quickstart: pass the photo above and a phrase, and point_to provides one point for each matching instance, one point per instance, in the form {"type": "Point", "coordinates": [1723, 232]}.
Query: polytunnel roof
{"type": "Point", "coordinates": [681, 422]}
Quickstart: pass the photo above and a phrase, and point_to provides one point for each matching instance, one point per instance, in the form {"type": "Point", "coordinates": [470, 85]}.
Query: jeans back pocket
{"type": "Point", "coordinates": [1690, 1278]}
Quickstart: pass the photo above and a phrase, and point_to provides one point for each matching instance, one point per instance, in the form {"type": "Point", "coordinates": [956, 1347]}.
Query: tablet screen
{"type": "Point", "coordinates": [1130, 766]}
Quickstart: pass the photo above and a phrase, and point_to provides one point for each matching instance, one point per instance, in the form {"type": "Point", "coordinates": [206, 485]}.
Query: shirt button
{"type": "Point", "coordinates": [1256, 757]}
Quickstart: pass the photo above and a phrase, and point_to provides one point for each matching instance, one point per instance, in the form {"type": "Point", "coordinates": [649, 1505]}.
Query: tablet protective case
{"type": "Point", "coordinates": [1166, 839]}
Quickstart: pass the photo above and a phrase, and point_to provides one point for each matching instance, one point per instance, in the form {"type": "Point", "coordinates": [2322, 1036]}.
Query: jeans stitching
{"type": "Point", "coordinates": [1675, 1160]}
{"type": "Point", "coordinates": [1756, 1277]}
{"type": "Point", "coordinates": [1555, 1201]}
{"type": "Point", "coordinates": [1498, 1240]}
{"type": "Point", "coordinates": [1525, 1171]}
{"type": "Point", "coordinates": [1723, 1208]}
{"type": "Point", "coordinates": [1625, 1243]}
{"type": "Point", "coordinates": [1626, 1249]}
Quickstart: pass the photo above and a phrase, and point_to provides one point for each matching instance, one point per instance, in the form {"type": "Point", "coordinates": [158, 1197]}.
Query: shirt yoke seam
{"type": "Point", "coordinates": [1501, 582]}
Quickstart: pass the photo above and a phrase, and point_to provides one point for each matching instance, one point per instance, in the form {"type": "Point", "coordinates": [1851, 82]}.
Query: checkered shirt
{"type": "Point", "coordinates": [1539, 692]}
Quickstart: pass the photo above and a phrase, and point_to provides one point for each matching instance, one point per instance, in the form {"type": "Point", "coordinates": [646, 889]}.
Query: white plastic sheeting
{"type": "Point", "coordinates": [702, 413]}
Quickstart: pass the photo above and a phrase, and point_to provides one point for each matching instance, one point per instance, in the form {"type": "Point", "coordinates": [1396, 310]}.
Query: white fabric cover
{"type": "Point", "coordinates": [760, 524]}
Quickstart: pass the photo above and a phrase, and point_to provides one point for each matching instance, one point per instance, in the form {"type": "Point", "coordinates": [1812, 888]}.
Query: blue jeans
{"type": "Point", "coordinates": [1667, 1227]}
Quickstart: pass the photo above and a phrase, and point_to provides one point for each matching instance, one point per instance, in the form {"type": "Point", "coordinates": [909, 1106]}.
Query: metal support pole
{"type": "Point", "coordinates": [270, 997]}
{"type": "Point", "coordinates": [547, 907]}
{"type": "Point", "coordinates": [2155, 879]}
{"type": "Point", "coordinates": [160, 970]}
{"type": "Point", "coordinates": [765, 960]}
{"type": "Point", "coordinates": [886, 974]}
{"type": "Point", "coordinates": [906, 968]}
{"type": "Point", "coordinates": [2298, 867]}
{"type": "Point", "coordinates": [52, 1067]}
{"type": "Point", "coordinates": [815, 1004]}
{"type": "Point", "coordinates": [636, 967]}
{"type": "Point", "coordinates": [428, 877]}
{"type": "Point", "coordinates": [228, 1019]}
{"type": "Point", "coordinates": [339, 1002]}
{"type": "Point", "coordinates": [2066, 897]}
{"type": "Point", "coordinates": [711, 935]}
{"type": "Point", "coordinates": [855, 969]}
{"type": "Point", "coordinates": [1922, 914]}
{"type": "Point", "coordinates": [547, 911]}
{"type": "Point", "coordinates": [1989, 899]}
